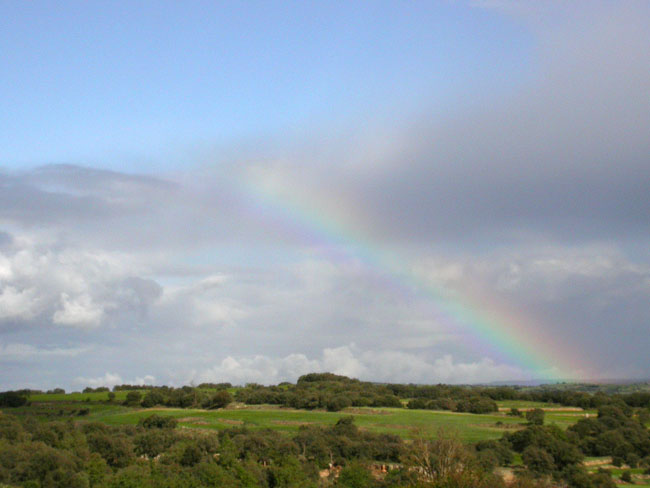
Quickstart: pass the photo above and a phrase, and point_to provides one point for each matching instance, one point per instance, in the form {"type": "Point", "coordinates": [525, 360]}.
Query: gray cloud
{"type": "Point", "coordinates": [563, 156]}
{"type": "Point", "coordinates": [539, 197]}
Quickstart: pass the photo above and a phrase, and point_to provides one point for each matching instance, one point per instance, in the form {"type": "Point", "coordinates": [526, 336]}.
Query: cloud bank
{"type": "Point", "coordinates": [246, 266]}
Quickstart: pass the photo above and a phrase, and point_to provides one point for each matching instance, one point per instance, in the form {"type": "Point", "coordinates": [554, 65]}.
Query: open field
{"type": "Point", "coordinates": [402, 422]}
{"type": "Point", "coordinates": [120, 396]}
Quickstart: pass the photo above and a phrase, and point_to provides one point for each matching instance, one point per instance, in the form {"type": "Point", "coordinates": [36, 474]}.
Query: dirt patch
{"type": "Point", "coordinates": [290, 422]}
{"type": "Point", "coordinates": [231, 421]}
{"type": "Point", "coordinates": [507, 474]}
{"type": "Point", "coordinates": [502, 426]}
{"type": "Point", "coordinates": [598, 462]}
{"type": "Point", "coordinates": [369, 411]}
{"type": "Point", "coordinates": [194, 420]}
{"type": "Point", "coordinates": [546, 409]}
{"type": "Point", "coordinates": [498, 427]}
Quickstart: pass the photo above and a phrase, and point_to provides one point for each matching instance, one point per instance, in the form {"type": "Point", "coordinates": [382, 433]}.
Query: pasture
{"type": "Point", "coordinates": [402, 422]}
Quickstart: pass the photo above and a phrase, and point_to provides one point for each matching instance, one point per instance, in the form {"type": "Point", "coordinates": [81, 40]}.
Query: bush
{"type": "Point", "coordinates": [116, 450]}
{"type": "Point", "coordinates": [337, 402]}
{"type": "Point", "coordinates": [153, 398]}
{"type": "Point", "coordinates": [355, 475]}
{"type": "Point", "coordinates": [133, 398]}
{"type": "Point", "coordinates": [12, 399]}
{"type": "Point", "coordinates": [220, 399]}
{"type": "Point", "coordinates": [538, 460]}
{"type": "Point", "coordinates": [535, 416]}
{"type": "Point", "coordinates": [156, 421]}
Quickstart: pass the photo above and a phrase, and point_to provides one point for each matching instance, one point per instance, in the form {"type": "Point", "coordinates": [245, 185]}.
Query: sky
{"type": "Point", "coordinates": [425, 192]}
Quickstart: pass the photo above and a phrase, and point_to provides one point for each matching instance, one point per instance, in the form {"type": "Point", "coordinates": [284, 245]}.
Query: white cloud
{"type": "Point", "coordinates": [79, 311]}
{"type": "Point", "coordinates": [206, 302]}
{"type": "Point", "coordinates": [384, 366]}
{"type": "Point", "coordinates": [111, 379]}
{"type": "Point", "coordinates": [51, 283]}
{"type": "Point", "coordinates": [18, 304]}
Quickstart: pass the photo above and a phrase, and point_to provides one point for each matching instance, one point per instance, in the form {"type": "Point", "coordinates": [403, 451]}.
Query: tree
{"type": "Point", "coordinates": [440, 458]}
{"type": "Point", "coordinates": [535, 416]}
{"type": "Point", "coordinates": [158, 422]}
{"type": "Point", "coordinates": [191, 455]}
{"type": "Point", "coordinates": [515, 412]}
{"type": "Point", "coordinates": [538, 460]}
{"type": "Point", "coordinates": [153, 398]}
{"type": "Point", "coordinates": [12, 399]}
{"type": "Point", "coordinates": [133, 398]}
{"type": "Point", "coordinates": [220, 399]}
{"type": "Point", "coordinates": [355, 475]}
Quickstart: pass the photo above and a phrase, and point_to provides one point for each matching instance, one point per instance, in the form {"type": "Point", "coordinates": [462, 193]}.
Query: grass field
{"type": "Point", "coordinates": [120, 396]}
{"type": "Point", "coordinates": [402, 422]}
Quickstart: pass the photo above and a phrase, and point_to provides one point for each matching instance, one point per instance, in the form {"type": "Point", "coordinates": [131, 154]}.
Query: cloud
{"type": "Point", "coordinates": [47, 283]}
{"type": "Point", "coordinates": [78, 312]}
{"type": "Point", "coordinates": [27, 352]}
{"type": "Point", "coordinates": [260, 260]}
{"type": "Point", "coordinates": [111, 379]}
{"type": "Point", "coordinates": [563, 157]}
{"type": "Point", "coordinates": [17, 304]}
{"type": "Point", "coordinates": [383, 366]}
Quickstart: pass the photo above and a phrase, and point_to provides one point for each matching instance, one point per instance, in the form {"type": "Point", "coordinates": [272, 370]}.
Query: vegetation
{"type": "Point", "coordinates": [325, 430]}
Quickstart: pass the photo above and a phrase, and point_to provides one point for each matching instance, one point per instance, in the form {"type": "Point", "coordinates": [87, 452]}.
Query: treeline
{"type": "Point", "coordinates": [546, 393]}
{"type": "Point", "coordinates": [320, 390]}
{"type": "Point", "coordinates": [334, 393]}
{"type": "Point", "coordinates": [184, 397]}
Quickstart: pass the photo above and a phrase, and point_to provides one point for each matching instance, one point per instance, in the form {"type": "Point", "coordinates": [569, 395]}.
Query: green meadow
{"type": "Point", "coordinates": [403, 422]}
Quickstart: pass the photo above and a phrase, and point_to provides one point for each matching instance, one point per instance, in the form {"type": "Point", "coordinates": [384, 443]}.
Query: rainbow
{"type": "Point", "coordinates": [493, 329]}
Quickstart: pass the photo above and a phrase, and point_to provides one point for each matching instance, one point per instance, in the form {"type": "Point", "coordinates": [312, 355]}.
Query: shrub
{"type": "Point", "coordinates": [133, 398]}
{"type": "Point", "coordinates": [156, 421]}
{"type": "Point", "coordinates": [535, 416]}
{"type": "Point", "coordinates": [12, 399]}
{"type": "Point", "coordinates": [220, 399]}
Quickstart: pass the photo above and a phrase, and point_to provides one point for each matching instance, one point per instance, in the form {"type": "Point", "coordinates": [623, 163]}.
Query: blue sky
{"type": "Point", "coordinates": [121, 83]}
{"type": "Point", "coordinates": [230, 191]}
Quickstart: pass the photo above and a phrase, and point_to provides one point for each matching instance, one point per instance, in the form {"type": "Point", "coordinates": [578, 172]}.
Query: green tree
{"type": "Point", "coordinates": [220, 399]}
{"type": "Point", "coordinates": [133, 398]}
{"type": "Point", "coordinates": [537, 460]}
{"type": "Point", "coordinates": [535, 416]}
{"type": "Point", "coordinates": [355, 475]}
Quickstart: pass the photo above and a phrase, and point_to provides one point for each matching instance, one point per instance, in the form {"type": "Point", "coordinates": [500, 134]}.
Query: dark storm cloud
{"type": "Point", "coordinates": [567, 156]}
